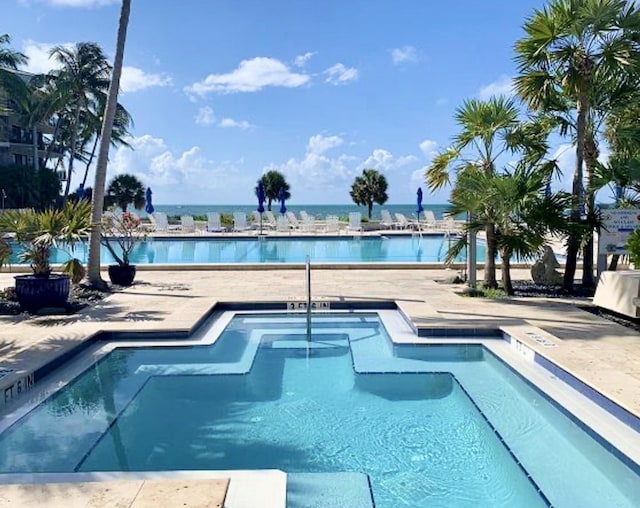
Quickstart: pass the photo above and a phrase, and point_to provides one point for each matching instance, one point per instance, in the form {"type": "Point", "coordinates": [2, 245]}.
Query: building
{"type": "Point", "coordinates": [17, 144]}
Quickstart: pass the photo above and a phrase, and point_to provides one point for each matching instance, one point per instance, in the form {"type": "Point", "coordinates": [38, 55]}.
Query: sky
{"type": "Point", "coordinates": [222, 91]}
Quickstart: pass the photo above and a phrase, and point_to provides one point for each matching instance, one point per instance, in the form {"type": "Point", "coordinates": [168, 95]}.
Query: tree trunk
{"type": "Point", "coordinates": [590, 157]}
{"type": "Point", "coordinates": [573, 242]}
{"type": "Point", "coordinates": [269, 204]}
{"type": "Point", "coordinates": [369, 209]}
{"type": "Point", "coordinates": [47, 154]}
{"type": "Point", "coordinates": [36, 160]}
{"type": "Point", "coordinates": [506, 272]}
{"type": "Point", "coordinates": [490, 261]}
{"type": "Point", "coordinates": [72, 154]}
{"type": "Point", "coordinates": [97, 202]}
{"type": "Point", "coordinates": [613, 265]}
{"type": "Point", "coordinates": [93, 152]}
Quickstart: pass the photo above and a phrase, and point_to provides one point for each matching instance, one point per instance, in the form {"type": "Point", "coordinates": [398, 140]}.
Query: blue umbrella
{"type": "Point", "coordinates": [419, 208]}
{"type": "Point", "coordinates": [149, 206]}
{"type": "Point", "coordinates": [260, 193]}
{"type": "Point", "coordinates": [281, 197]}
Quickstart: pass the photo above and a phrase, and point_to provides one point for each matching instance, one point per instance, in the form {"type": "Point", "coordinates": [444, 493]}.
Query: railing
{"type": "Point", "coordinates": [308, 275]}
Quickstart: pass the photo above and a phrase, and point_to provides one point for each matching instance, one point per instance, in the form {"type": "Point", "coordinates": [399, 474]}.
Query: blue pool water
{"type": "Point", "coordinates": [429, 248]}
{"type": "Point", "coordinates": [431, 425]}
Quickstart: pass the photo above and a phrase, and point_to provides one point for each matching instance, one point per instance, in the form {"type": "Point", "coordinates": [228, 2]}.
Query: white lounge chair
{"type": "Point", "coordinates": [308, 222]}
{"type": "Point", "coordinates": [294, 223]}
{"type": "Point", "coordinates": [332, 224]}
{"type": "Point", "coordinates": [355, 221]}
{"type": "Point", "coordinates": [402, 221]}
{"type": "Point", "coordinates": [271, 219]}
{"type": "Point", "coordinates": [282, 224]}
{"type": "Point", "coordinates": [187, 224]}
{"type": "Point", "coordinates": [213, 222]}
{"type": "Point", "coordinates": [240, 222]}
{"type": "Point", "coordinates": [160, 221]}
{"type": "Point", "coordinates": [430, 220]}
{"type": "Point", "coordinates": [386, 221]}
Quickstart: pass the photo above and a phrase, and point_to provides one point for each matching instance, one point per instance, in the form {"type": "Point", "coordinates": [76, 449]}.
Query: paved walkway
{"type": "Point", "coordinates": [599, 352]}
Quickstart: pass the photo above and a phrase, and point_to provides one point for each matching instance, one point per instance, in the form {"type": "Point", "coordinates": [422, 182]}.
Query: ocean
{"type": "Point", "coordinates": [316, 210]}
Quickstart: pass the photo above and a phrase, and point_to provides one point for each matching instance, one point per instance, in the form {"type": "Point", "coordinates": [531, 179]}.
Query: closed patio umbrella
{"type": "Point", "coordinates": [149, 206]}
{"type": "Point", "coordinates": [282, 197]}
{"type": "Point", "coordinates": [260, 194]}
{"type": "Point", "coordinates": [419, 208]}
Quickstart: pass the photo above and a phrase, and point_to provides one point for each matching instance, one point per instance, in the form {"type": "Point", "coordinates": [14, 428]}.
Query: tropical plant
{"type": "Point", "coordinates": [38, 232]}
{"type": "Point", "coordinates": [103, 154]}
{"type": "Point", "coordinates": [490, 130]}
{"type": "Point", "coordinates": [369, 188]}
{"type": "Point", "coordinates": [273, 181]}
{"type": "Point", "coordinates": [26, 188]}
{"type": "Point", "coordinates": [123, 230]}
{"type": "Point", "coordinates": [79, 86]}
{"type": "Point", "coordinates": [125, 190]}
{"type": "Point", "coordinates": [10, 60]}
{"type": "Point", "coordinates": [574, 55]}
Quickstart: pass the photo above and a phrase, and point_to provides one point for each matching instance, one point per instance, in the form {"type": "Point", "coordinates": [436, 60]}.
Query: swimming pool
{"type": "Point", "coordinates": [376, 249]}
{"type": "Point", "coordinates": [441, 425]}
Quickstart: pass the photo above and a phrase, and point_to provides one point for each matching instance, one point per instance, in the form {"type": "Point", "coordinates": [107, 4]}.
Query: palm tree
{"type": "Point", "coordinates": [273, 181]}
{"type": "Point", "coordinates": [81, 85]}
{"type": "Point", "coordinates": [103, 156]}
{"type": "Point", "coordinates": [486, 129]}
{"type": "Point", "coordinates": [573, 49]}
{"type": "Point", "coordinates": [10, 60]}
{"type": "Point", "coordinates": [369, 188]}
{"type": "Point", "coordinates": [125, 190]}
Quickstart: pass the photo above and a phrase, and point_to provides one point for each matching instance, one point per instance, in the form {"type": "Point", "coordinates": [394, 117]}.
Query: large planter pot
{"type": "Point", "coordinates": [122, 275]}
{"type": "Point", "coordinates": [35, 292]}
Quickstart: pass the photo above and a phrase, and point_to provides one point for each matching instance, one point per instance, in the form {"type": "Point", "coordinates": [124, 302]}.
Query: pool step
{"type": "Point", "coordinates": [329, 490]}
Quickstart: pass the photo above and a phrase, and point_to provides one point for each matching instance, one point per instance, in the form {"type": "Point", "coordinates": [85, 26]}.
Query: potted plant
{"type": "Point", "coordinates": [37, 233]}
{"type": "Point", "coordinates": [120, 234]}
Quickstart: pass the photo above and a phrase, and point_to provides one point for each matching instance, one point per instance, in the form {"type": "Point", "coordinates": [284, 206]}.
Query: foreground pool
{"type": "Point", "coordinates": [446, 425]}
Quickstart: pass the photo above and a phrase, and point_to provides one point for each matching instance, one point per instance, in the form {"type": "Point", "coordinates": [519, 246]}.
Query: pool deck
{"type": "Point", "coordinates": [602, 354]}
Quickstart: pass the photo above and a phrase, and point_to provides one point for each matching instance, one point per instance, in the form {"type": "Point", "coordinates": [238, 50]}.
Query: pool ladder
{"type": "Point", "coordinates": [308, 278]}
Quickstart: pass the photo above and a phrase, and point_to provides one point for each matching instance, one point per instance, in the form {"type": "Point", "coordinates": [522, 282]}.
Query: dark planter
{"type": "Point", "coordinates": [35, 292]}
{"type": "Point", "coordinates": [122, 275]}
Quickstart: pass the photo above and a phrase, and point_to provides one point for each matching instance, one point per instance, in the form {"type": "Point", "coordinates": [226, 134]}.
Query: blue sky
{"type": "Point", "coordinates": [221, 91]}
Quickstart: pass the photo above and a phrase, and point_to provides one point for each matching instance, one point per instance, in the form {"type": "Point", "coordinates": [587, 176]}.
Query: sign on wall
{"type": "Point", "coordinates": [618, 223]}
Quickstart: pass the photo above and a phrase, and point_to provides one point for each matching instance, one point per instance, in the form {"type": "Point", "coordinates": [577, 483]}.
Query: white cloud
{"type": "Point", "coordinates": [428, 148]}
{"type": "Point", "coordinates": [38, 54]}
{"type": "Point", "coordinates": [134, 79]}
{"type": "Point", "coordinates": [250, 76]}
{"type": "Point", "coordinates": [404, 54]}
{"type": "Point", "coordinates": [502, 86]}
{"type": "Point", "coordinates": [383, 160]}
{"type": "Point", "coordinates": [203, 180]}
{"type": "Point", "coordinates": [442, 101]}
{"type": "Point", "coordinates": [231, 123]}
{"type": "Point", "coordinates": [205, 116]}
{"type": "Point", "coordinates": [338, 74]}
{"type": "Point", "coordinates": [301, 60]}
{"type": "Point", "coordinates": [319, 144]}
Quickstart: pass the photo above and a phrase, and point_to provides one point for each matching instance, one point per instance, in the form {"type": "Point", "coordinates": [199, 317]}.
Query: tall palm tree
{"type": "Point", "coordinates": [125, 190]}
{"type": "Point", "coordinates": [369, 188]}
{"type": "Point", "coordinates": [273, 181]}
{"type": "Point", "coordinates": [571, 49]}
{"type": "Point", "coordinates": [103, 155]}
{"type": "Point", "coordinates": [487, 131]}
{"type": "Point", "coordinates": [80, 83]}
{"type": "Point", "coordinates": [10, 60]}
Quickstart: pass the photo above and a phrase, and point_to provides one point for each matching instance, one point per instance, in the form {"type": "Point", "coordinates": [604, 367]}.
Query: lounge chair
{"type": "Point", "coordinates": [402, 221]}
{"type": "Point", "coordinates": [213, 223]}
{"type": "Point", "coordinates": [355, 221]}
{"type": "Point", "coordinates": [430, 221]}
{"type": "Point", "coordinates": [271, 219]}
{"type": "Point", "coordinates": [282, 224]}
{"type": "Point", "coordinates": [308, 222]}
{"type": "Point", "coordinates": [386, 221]}
{"type": "Point", "coordinates": [240, 222]}
{"type": "Point", "coordinates": [159, 221]}
{"type": "Point", "coordinates": [187, 224]}
{"type": "Point", "coordinates": [294, 223]}
{"type": "Point", "coordinates": [332, 224]}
